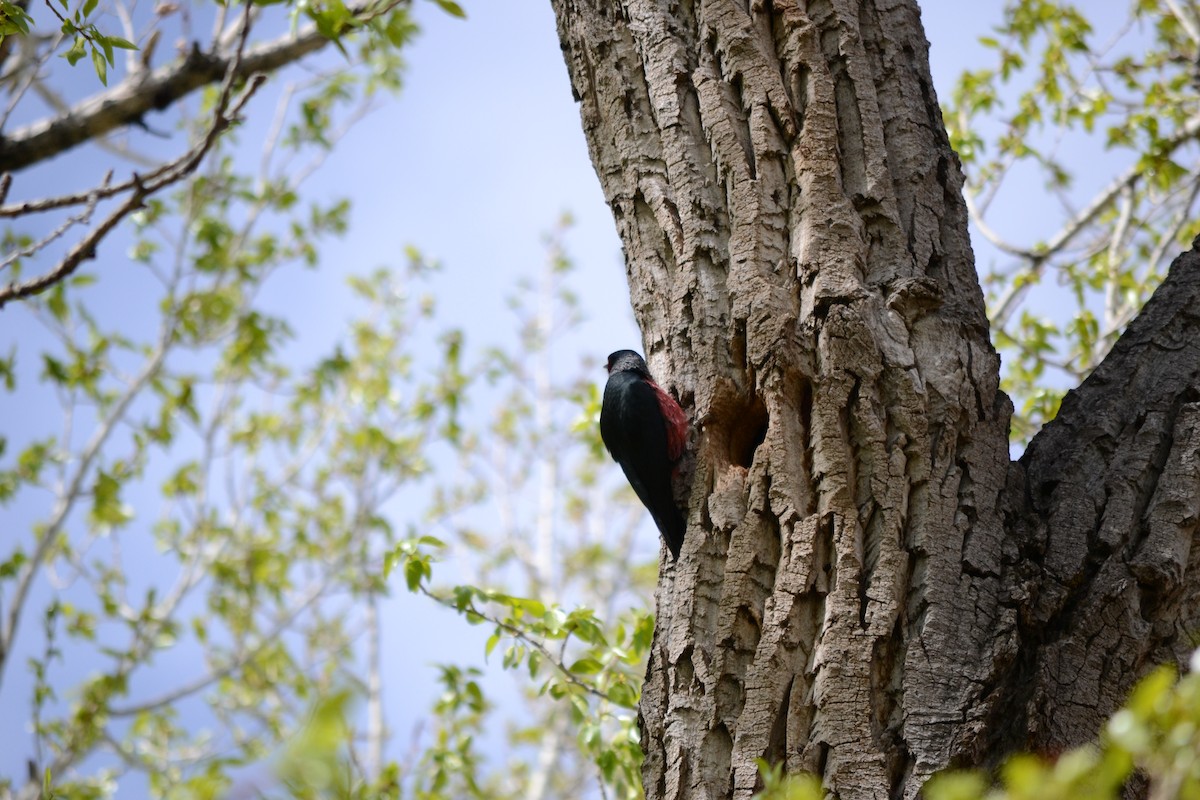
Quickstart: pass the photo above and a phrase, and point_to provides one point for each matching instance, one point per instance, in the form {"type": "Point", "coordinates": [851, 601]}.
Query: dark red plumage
{"type": "Point", "coordinates": [645, 430]}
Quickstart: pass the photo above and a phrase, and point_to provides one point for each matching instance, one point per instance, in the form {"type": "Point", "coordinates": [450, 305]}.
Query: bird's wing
{"type": "Point", "coordinates": [674, 418]}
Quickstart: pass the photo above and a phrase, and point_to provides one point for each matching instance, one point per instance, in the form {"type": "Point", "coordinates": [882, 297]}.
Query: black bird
{"type": "Point", "coordinates": [646, 432]}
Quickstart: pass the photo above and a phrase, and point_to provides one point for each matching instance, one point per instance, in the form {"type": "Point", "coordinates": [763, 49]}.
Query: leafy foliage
{"type": "Point", "coordinates": [1157, 733]}
{"type": "Point", "coordinates": [778, 786]}
{"type": "Point", "coordinates": [144, 82]}
{"type": "Point", "coordinates": [203, 495]}
{"type": "Point", "coordinates": [259, 495]}
{"type": "Point", "coordinates": [1076, 93]}
{"type": "Point", "coordinates": [590, 668]}
{"type": "Point", "coordinates": [579, 664]}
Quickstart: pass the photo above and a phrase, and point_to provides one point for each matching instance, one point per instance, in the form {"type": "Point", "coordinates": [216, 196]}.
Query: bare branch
{"type": "Point", "coordinates": [142, 188]}
{"type": "Point", "coordinates": [1112, 295]}
{"type": "Point", "coordinates": [56, 102]}
{"type": "Point", "coordinates": [26, 70]}
{"type": "Point", "coordinates": [1185, 21]}
{"type": "Point", "coordinates": [1015, 291]}
{"type": "Point", "coordinates": [67, 224]}
{"type": "Point", "coordinates": [1188, 131]}
{"type": "Point", "coordinates": [1168, 238]}
{"type": "Point", "coordinates": [547, 758]}
{"type": "Point", "coordinates": [977, 214]}
{"type": "Point", "coordinates": [375, 723]}
{"type": "Point", "coordinates": [86, 248]}
{"type": "Point", "coordinates": [136, 96]}
{"type": "Point", "coordinates": [237, 662]}
{"type": "Point", "coordinates": [1165, 242]}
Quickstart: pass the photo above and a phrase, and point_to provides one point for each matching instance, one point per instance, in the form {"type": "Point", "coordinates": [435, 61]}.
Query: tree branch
{"type": "Point", "coordinates": [228, 668]}
{"type": "Point", "coordinates": [522, 636]}
{"type": "Point", "coordinates": [1186, 22]}
{"type": "Point", "coordinates": [1108, 514]}
{"type": "Point", "coordinates": [135, 97]}
{"type": "Point", "coordinates": [66, 500]}
{"type": "Point", "coordinates": [1188, 131]}
{"type": "Point", "coordinates": [186, 164]}
{"type": "Point", "coordinates": [70, 222]}
{"type": "Point", "coordinates": [142, 188]}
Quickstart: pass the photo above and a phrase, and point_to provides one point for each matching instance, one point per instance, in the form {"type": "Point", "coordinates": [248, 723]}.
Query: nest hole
{"type": "Point", "coordinates": [748, 429]}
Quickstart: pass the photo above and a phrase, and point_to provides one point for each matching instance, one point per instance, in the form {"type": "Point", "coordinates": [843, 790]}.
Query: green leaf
{"type": "Point", "coordinates": [101, 66]}
{"type": "Point", "coordinates": [1150, 691]}
{"type": "Point", "coordinates": [586, 666]}
{"type": "Point", "coordinates": [8, 373]}
{"type": "Point", "coordinates": [56, 302]}
{"type": "Point", "coordinates": [623, 695]}
{"type": "Point", "coordinates": [107, 508]}
{"type": "Point", "coordinates": [33, 459]}
{"type": "Point", "coordinates": [463, 596]}
{"type": "Point", "coordinates": [414, 571]}
{"type": "Point", "coordinates": [185, 481]}
{"type": "Point", "coordinates": [14, 563]}
{"type": "Point", "coordinates": [452, 8]}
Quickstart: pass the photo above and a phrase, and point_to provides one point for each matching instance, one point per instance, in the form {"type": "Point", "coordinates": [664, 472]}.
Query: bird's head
{"type": "Point", "coordinates": [627, 361]}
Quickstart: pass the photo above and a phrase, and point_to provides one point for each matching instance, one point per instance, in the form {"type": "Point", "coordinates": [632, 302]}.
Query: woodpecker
{"type": "Point", "coordinates": [645, 430]}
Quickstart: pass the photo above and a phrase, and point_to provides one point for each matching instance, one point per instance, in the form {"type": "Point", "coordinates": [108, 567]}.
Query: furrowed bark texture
{"type": "Point", "coordinates": [1109, 579]}
{"type": "Point", "coordinates": [860, 592]}
{"type": "Point", "coordinates": [800, 266]}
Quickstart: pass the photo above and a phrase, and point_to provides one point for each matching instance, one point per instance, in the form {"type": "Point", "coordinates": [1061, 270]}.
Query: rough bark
{"type": "Point", "coordinates": [1109, 575]}
{"type": "Point", "coordinates": [868, 589]}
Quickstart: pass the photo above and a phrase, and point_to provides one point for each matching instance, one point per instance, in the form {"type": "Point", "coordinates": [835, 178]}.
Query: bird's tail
{"type": "Point", "coordinates": [672, 525]}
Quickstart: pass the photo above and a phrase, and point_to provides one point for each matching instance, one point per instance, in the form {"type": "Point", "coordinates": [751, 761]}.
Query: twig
{"type": "Point", "coordinates": [133, 99]}
{"type": "Point", "coordinates": [67, 224]}
{"type": "Point", "coordinates": [234, 664]}
{"type": "Point", "coordinates": [521, 635]}
{"type": "Point", "coordinates": [144, 187]}
{"type": "Point", "coordinates": [1015, 291]}
{"type": "Point", "coordinates": [103, 192]}
{"type": "Point", "coordinates": [1113, 263]}
{"type": "Point", "coordinates": [1185, 22]}
{"type": "Point", "coordinates": [1188, 131]}
{"type": "Point", "coordinates": [86, 248]}
{"type": "Point", "coordinates": [1168, 238]}
{"type": "Point", "coordinates": [31, 68]}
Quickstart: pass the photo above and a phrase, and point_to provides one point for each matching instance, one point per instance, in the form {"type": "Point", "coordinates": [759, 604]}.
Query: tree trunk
{"type": "Point", "coordinates": [869, 589]}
